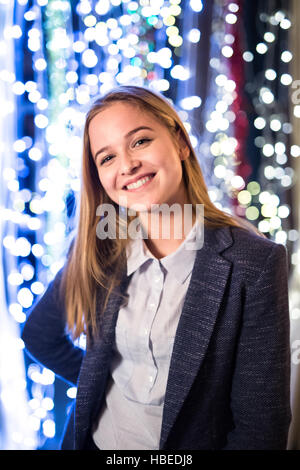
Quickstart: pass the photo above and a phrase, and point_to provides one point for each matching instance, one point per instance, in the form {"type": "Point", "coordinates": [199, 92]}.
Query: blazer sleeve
{"type": "Point", "coordinates": [260, 399]}
{"type": "Point", "coordinates": [45, 336]}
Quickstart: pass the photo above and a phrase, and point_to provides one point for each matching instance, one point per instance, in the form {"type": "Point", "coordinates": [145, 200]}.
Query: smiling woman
{"type": "Point", "coordinates": [180, 342]}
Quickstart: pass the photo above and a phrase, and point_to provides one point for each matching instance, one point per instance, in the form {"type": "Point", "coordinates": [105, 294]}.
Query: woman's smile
{"type": "Point", "coordinates": [141, 184]}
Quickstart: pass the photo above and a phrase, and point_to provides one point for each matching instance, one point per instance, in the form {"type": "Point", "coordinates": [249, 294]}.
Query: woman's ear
{"type": "Point", "coordinates": [184, 149]}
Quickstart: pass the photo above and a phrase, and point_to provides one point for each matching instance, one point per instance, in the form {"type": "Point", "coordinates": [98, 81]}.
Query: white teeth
{"type": "Point", "coordinates": [139, 183]}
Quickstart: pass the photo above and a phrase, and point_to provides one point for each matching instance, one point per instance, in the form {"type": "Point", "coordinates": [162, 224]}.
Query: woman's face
{"type": "Point", "coordinates": [131, 146]}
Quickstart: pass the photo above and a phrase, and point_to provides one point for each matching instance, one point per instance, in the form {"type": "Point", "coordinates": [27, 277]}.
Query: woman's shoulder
{"type": "Point", "coordinates": [255, 253]}
{"type": "Point", "coordinates": [249, 240]}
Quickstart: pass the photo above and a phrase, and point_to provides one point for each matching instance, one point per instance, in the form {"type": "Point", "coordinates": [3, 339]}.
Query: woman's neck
{"type": "Point", "coordinates": [166, 231]}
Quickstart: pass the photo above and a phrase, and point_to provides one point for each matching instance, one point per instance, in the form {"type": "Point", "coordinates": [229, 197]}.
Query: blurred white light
{"type": "Point", "coordinates": [286, 79]}
{"type": "Point", "coordinates": [269, 37]}
{"type": "Point", "coordinates": [231, 18]}
{"type": "Point", "coordinates": [275, 125]}
{"type": "Point", "coordinates": [261, 48]}
{"type": "Point", "coordinates": [190, 102]}
{"type": "Point", "coordinates": [22, 247]}
{"type": "Point", "coordinates": [295, 150]}
{"type": "Point", "coordinates": [160, 85]}
{"type": "Point", "coordinates": [37, 250]}
{"type": "Point", "coordinates": [25, 297]}
{"type": "Point", "coordinates": [281, 237]}
{"type": "Point", "coordinates": [47, 403]}
{"type": "Point", "coordinates": [286, 56]}
{"type": "Point", "coordinates": [196, 5]}
{"type": "Point", "coordinates": [269, 172]}
{"type": "Point", "coordinates": [34, 96]}
{"type": "Point", "coordinates": [270, 74]}
{"type": "Point", "coordinates": [18, 88]}
{"type": "Point", "coordinates": [286, 181]}
{"type": "Point", "coordinates": [285, 23]}
{"type": "Point", "coordinates": [34, 422]}
{"type": "Point", "coordinates": [180, 72]}
{"type": "Point", "coordinates": [13, 185]}
{"type": "Point", "coordinates": [211, 126]}
{"type": "Point", "coordinates": [17, 313]}
{"type": "Point", "coordinates": [293, 235]}
{"type": "Point", "coordinates": [237, 182]}
{"type": "Point", "coordinates": [230, 85]}
{"type": "Point", "coordinates": [194, 35]}
{"type": "Point", "coordinates": [266, 96]}
{"type": "Point", "coordinates": [227, 51]}
{"type": "Point", "coordinates": [82, 94]}
{"type": "Point", "coordinates": [37, 288]}
{"type": "Point", "coordinates": [42, 104]}
{"type": "Point", "coordinates": [102, 7]}
{"type": "Point", "coordinates": [259, 122]}
{"type": "Point", "coordinates": [35, 154]}
{"type": "Point", "coordinates": [283, 212]}
{"type": "Point", "coordinates": [15, 279]}
{"type": "Point", "coordinates": [27, 272]}
{"type": "Point", "coordinates": [9, 174]}
{"type": "Point", "coordinates": [19, 146]}
{"type": "Point", "coordinates": [297, 111]}
{"type": "Point", "coordinates": [89, 58]}
{"type": "Point", "coordinates": [275, 222]}
{"type": "Point", "coordinates": [71, 392]}
{"type": "Point", "coordinates": [281, 158]}
{"type": "Point", "coordinates": [279, 15]}
{"type": "Point", "coordinates": [71, 77]}
{"type": "Point", "coordinates": [268, 150]}
{"type": "Point", "coordinates": [41, 121]}
{"type": "Point", "coordinates": [79, 46]}
{"type": "Point", "coordinates": [221, 79]}
{"type": "Point", "coordinates": [220, 171]}
{"type": "Point", "coordinates": [264, 226]}
{"type": "Point", "coordinates": [47, 376]}
{"type": "Point", "coordinates": [280, 147]}
{"type": "Point", "coordinates": [233, 7]}
{"type": "Point", "coordinates": [40, 64]}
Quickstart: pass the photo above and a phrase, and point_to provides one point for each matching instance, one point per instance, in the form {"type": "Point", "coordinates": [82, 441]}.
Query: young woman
{"type": "Point", "coordinates": [187, 336]}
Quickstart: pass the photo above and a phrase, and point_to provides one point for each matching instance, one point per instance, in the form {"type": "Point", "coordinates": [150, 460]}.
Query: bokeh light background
{"type": "Point", "coordinates": [230, 69]}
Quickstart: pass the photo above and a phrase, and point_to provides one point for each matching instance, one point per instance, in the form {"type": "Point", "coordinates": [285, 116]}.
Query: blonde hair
{"type": "Point", "coordinates": [93, 262]}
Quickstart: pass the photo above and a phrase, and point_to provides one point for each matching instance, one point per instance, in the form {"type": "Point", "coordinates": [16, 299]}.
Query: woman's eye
{"type": "Point", "coordinates": [105, 159]}
{"type": "Point", "coordinates": [141, 141]}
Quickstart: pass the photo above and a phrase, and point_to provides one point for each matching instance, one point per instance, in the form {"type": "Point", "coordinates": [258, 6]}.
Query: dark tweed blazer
{"type": "Point", "coordinates": [229, 376]}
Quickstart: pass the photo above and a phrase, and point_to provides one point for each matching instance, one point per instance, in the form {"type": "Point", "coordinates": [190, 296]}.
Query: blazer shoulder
{"type": "Point", "coordinates": [254, 253]}
{"type": "Point", "coordinates": [247, 240]}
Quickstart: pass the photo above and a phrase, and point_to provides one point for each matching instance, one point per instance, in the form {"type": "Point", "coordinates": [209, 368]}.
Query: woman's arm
{"type": "Point", "coordinates": [45, 336]}
{"type": "Point", "coordinates": [260, 400]}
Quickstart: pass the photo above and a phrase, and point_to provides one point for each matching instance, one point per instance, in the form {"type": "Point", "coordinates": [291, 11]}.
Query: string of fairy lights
{"type": "Point", "coordinates": [68, 53]}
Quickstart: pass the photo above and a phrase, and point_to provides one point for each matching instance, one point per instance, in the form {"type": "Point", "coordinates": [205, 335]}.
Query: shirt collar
{"type": "Point", "coordinates": [179, 263]}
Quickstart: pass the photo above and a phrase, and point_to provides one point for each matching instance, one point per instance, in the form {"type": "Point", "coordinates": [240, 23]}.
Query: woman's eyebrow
{"type": "Point", "coordinates": [133, 131]}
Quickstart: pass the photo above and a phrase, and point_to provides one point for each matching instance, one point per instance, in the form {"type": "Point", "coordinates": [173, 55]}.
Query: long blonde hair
{"type": "Point", "coordinates": [93, 262]}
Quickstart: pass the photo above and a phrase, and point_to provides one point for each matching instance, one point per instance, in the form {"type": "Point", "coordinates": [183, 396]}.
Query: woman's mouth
{"type": "Point", "coordinates": [140, 184]}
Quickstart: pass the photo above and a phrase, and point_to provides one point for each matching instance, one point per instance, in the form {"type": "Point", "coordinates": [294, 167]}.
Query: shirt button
{"type": "Point", "coordinates": [150, 378]}
{"type": "Point", "coordinates": [145, 331]}
{"type": "Point", "coordinates": [157, 279]}
{"type": "Point", "coordinates": [152, 305]}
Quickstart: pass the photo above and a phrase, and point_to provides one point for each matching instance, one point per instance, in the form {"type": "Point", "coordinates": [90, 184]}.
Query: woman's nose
{"type": "Point", "coordinates": [129, 164]}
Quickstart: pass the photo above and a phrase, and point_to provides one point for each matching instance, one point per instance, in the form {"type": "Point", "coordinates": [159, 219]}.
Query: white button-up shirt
{"type": "Point", "coordinates": [131, 417]}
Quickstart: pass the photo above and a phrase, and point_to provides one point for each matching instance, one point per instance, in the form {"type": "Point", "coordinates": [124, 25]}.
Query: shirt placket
{"type": "Point", "coordinates": [157, 281]}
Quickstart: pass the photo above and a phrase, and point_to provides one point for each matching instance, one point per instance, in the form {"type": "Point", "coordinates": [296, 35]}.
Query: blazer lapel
{"type": "Point", "coordinates": [200, 310]}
